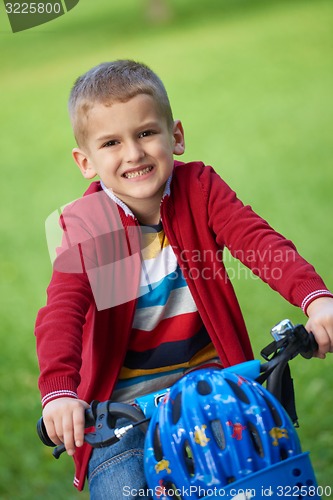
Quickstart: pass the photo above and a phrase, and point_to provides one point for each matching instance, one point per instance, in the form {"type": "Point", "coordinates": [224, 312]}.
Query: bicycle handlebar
{"type": "Point", "coordinates": [289, 341]}
{"type": "Point", "coordinates": [103, 417]}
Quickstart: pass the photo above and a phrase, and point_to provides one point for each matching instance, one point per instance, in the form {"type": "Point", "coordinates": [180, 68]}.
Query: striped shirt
{"type": "Point", "coordinates": [168, 336]}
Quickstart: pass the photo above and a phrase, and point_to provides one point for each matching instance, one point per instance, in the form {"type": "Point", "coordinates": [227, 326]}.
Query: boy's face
{"type": "Point", "coordinates": [130, 147]}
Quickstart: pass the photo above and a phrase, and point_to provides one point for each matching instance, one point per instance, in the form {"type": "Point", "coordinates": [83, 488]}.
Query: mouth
{"type": "Point", "coordinates": [138, 172]}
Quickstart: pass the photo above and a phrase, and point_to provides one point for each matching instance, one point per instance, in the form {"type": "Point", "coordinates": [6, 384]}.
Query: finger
{"type": "Point", "coordinates": [51, 430]}
{"type": "Point", "coordinates": [68, 433]}
{"type": "Point", "coordinates": [79, 425]}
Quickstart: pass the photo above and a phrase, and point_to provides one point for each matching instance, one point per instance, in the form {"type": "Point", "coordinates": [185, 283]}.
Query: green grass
{"type": "Point", "coordinates": [252, 82]}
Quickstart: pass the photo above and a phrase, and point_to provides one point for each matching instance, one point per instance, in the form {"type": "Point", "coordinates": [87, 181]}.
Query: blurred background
{"type": "Point", "coordinates": [252, 82]}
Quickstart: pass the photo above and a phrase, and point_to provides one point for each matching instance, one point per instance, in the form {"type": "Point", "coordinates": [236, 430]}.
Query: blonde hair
{"type": "Point", "coordinates": [111, 82]}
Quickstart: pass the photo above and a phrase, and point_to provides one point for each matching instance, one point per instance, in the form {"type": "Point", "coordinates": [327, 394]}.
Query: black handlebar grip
{"type": "Point", "coordinates": [42, 433]}
{"type": "Point", "coordinates": [313, 347]}
{"type": "Point", "coordinates": [310, 345]}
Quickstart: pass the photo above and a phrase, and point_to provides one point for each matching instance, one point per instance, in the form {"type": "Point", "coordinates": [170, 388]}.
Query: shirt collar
{"type": "Point", "coordinates": [123, 205]}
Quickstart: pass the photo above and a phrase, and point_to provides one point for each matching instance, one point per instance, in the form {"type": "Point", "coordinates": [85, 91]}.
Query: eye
{"type": "Point", "coordinates": [147, 133]}
{"type": "Point", "coordinates": [110, 143]}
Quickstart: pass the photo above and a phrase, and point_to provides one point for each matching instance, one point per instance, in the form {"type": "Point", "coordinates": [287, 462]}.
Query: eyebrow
{"type": "Point", "coordinates": [144, 126]}
{"type": "Point", "coordinates": [106, 137]}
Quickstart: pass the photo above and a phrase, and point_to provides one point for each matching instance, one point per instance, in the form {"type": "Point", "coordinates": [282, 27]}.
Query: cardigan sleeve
{"type": "Point", "coordinates": [70, 302]}
{"type": "Point", "coordinates": [59, 325]}
{"type": "Point", "coordinates": [257, 245]}
{"type": "Point", "coordinates": [58, 333]}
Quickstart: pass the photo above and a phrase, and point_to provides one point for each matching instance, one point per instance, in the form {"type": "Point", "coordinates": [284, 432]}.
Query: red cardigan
{"type": "Point", "coordinates": [81, 347]}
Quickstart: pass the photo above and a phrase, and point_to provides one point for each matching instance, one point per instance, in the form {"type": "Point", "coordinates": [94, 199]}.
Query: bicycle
{"type": "Point", "coordinates": [292, 476]}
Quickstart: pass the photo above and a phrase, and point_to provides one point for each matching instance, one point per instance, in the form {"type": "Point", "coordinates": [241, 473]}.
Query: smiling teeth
{"type": "Point", "coordinates": [138, 173]}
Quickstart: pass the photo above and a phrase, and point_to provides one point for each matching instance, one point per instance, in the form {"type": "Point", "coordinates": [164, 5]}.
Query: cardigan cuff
{"type": "Point", "coordinates": [58, 394]}
{"type": "Point", "coordinates": [313, 296]}
{"type": "Point", "coordinates": [60, 387]}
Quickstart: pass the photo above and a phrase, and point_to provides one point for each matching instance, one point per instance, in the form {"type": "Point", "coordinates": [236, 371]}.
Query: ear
{"type": "Point", "coordinates": [82, 160]}
{"type": "Point", "coordinates": [178, 137]}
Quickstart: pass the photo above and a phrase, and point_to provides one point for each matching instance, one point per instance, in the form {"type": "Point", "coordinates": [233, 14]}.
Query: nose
{"type": "Point", "coordinates": [133, 152]}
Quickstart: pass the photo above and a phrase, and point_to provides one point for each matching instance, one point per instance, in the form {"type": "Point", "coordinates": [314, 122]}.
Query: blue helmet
{"type": "Point", "coordinates": [215, 427]}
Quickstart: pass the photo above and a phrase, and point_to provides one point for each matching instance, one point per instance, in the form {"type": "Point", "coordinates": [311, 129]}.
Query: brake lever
{"type": "Point", "coordinates": [106, 415]}
{"type": "Point", "coordinates": [103, 417]}
{"type": "Point", "coordinates": [104, 434]}
{"type": "Point", "coordinates": [293, 339]}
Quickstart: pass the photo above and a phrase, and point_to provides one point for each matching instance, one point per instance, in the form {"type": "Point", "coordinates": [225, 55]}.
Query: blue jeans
{"type": "Point", "coordinates": [116, 472]}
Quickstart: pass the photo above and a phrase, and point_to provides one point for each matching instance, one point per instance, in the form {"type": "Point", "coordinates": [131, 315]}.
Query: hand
{"type": "Point", "coordinates": [320, 323]}
{"type": "Point", "coordinates": [64, 422]}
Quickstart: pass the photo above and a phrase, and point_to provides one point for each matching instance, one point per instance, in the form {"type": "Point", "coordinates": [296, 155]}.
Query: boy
{"type": "Point", "coordinates": [139, 293]}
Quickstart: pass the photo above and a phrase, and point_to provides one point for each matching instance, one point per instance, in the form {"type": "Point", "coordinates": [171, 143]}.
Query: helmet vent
{"type": "Point", "coordinates": [157, 445]}
{"type": "Point", "coordinates": [275, 414]}
{"type": "Point", "coordinates": [188, 455]}
{"type": "Point", "coordinates": [171, 491]}
{"type": "Point", "coordinates": [238, 391]}
{"type": "Point", "coordinates": [217, 431]}
{"type": "Point", "coordinates": [256, 441]}
{"type": "Point", "coordinates": [204, 388]}
{"type": "Point", "coordinates": [176, 408]}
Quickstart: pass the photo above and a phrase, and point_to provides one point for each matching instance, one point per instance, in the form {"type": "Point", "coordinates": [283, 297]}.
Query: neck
{"type": "Point", "coordinates": [148, 210]}
{"type": "Point", "coordinates": [147, 215]}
